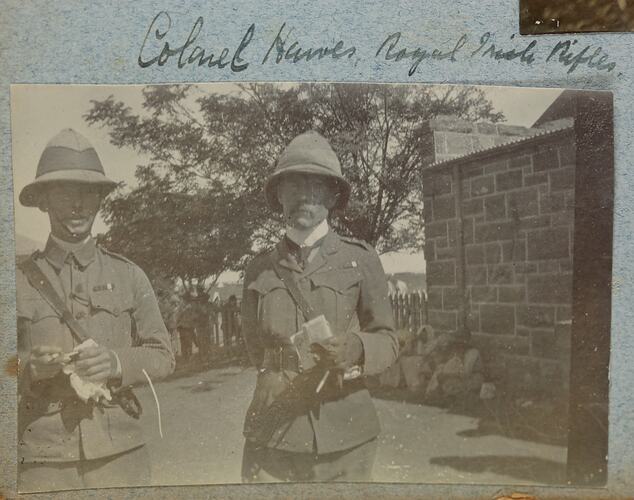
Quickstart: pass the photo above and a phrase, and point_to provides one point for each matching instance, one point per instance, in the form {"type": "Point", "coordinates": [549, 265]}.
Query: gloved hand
{"type": "Point", "coordinates": [45, 362]}
{"type": "Point", "coordinates": [339, 352]}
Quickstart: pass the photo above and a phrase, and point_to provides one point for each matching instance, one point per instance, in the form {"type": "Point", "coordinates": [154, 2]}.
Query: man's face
{"type": "Point", "coordinates": [72, 208]}
{"type": "Point", "coordinates": [306, 199]}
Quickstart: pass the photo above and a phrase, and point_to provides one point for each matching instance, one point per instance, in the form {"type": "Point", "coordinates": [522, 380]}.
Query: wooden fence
{"type": "Point", "coordinates": [410, 310]}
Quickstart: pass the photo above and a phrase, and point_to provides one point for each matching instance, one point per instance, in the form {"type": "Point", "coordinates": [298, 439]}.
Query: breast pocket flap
{"type": "Point", "coordinates": [38, 311]}
{"type": "Point", "coordinates": [110, 302]}
{"type": "Point", "coordinates": [339, 280]}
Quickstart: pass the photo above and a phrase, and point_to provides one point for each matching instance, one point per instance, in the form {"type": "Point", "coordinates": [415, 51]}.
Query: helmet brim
{"type": "Point", "coordinates": [29, 196]}
{"type": "Point", "coordinates": [342, 185]}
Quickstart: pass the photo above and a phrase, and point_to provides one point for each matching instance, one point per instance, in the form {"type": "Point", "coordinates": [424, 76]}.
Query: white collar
{"type": "Point", "coordinates": [308, 237]}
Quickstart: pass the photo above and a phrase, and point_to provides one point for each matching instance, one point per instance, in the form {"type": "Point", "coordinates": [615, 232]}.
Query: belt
{"type": "Point", "coordinates": [281, 358]}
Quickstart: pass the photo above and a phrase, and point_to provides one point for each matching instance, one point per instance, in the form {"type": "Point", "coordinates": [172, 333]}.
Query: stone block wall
{"type": "Point", "coordinates": [454, 137]}
{"type": "Point", "coordinates": [517, 233]}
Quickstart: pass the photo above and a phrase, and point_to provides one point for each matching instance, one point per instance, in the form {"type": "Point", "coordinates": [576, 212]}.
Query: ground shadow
{"type": "Point", "coordinates": [522, 468]}
{"type": "Point", "coordinates": [208, 384]}
{"type": "Point", "coordinates": [194, 366]}
{"type": "Point", "coordinates": [202, 386]}
{"type": "Point", "coordinates": [540, 421]}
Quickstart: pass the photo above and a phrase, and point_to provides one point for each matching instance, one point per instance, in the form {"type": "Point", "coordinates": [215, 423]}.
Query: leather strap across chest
{"type": "Point", "coordinates": [42, 284]}
{"type": "Point", "coordinates": [298, 297]}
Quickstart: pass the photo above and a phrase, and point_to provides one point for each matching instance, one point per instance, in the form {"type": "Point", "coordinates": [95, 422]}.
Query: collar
{"type": "Point", "coordinates": [308, 237]}
{"type": "Point", "coordinates": [330, 245]}
{"type": "Point", "coordinates": [57, 251]}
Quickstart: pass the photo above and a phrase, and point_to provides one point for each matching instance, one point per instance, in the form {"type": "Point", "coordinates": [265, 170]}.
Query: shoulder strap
{"type": "Point", "coordinates": [298, 297]}
{"type": "Point", "coordinates": [115, 255]}
{"type": "Point", "coordinates": [41, 283]}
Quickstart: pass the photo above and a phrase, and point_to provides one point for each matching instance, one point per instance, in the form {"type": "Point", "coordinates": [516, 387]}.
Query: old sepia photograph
{"type": "Point", "coordinates": [575, 16]}
{"type": "Point", "coordinates": [228, 283]}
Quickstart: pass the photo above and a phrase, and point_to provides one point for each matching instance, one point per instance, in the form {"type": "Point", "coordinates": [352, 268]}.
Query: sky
{"type": "Point", "coordinates": [39, 112]}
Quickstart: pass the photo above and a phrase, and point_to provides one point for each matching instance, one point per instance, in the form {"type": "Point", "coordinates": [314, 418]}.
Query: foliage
{"type": "Point", "coordinates": [174, 233]}
{"type": "Point", "coordinates": [199, 208]}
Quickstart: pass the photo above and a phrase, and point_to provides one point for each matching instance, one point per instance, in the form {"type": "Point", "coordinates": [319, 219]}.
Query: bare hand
{"type": "Point", "coordinates": [45, 362]}
{"type": "Point", "coordinates": [96, 364]}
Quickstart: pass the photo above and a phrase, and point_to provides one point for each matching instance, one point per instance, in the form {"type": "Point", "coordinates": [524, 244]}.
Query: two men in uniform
{"type": "Point", "coordinates": [301, 427]}
{"type": "Point", "coordinates": [330, 432]}
{"type": "Point", "coordinates": [72, 292]}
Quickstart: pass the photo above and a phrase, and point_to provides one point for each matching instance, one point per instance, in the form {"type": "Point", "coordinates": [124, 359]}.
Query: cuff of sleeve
{"type": "Point", "coordinates": [115, 362]}
{"type": "Point", "coordinates": [379, 352]}
{"type": "Point", "coordinates": [355, 351]}
{"type": "Point", "coordinates": [134, 360]}
{"type": "Point", "coordinates": [128, 375]}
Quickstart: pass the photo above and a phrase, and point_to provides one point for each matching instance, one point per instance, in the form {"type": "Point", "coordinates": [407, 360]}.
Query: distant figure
{"type": "Point", "coordinates": [186, 325]}
{"type": "Point", "coordinates": [231, 323]}
{"type": "Point", "coordinates": [172, 322]}
{"type": "Point", "coordinates": [215, 319]}
{"type": "Point", "coordinates": [203, 326]}
{"type": "Point", "coordinates": [168, 304]}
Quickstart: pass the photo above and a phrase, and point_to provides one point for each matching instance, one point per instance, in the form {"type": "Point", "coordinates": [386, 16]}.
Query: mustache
{"type": "Point", "coordinates": [301, 210]}
{"type": "Point", "coordinates": [76, 217]}
{"type": "Point", "coordinates": [80, 213]}
{"type": "Point", "coordinates": [303, 207]}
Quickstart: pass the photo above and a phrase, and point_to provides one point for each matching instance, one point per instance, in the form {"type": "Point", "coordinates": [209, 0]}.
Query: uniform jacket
{"type": "Point", "coordinates": [345, 282]}
{"type": "Point", "coordinates": [113, 299]}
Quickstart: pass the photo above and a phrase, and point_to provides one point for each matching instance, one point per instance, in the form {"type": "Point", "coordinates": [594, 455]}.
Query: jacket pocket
{"type": "Point", "coordinates": [111, 321]}
{"type": "Point", "coordinates": [342, 281]}
{"type": "Point", "coordinates": [277, 318]}
{"type": "Point", "coordinates": [47, 328]}
{"type": "Point", "coordinates": [336, 292]}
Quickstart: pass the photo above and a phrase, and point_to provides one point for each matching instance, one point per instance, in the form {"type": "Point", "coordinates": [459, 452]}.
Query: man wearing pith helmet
{"type": "Point", "coordinates": [312, 418]}
{"type": "Point", "coordinates": [89, 327]}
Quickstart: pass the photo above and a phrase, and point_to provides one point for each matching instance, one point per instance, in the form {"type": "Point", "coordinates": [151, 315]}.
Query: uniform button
{"type": "Point", "coordinates": [80, 315]}
{"type": "Point", "coordinates": [116, 311]}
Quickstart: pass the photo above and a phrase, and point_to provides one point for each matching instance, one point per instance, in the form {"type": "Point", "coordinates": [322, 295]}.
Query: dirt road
{"type": "Point", "coordinates": [202, 438]}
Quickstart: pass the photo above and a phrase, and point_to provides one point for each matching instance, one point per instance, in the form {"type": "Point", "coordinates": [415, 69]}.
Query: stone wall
{"type": "Point", "coordinates": [513, 273]}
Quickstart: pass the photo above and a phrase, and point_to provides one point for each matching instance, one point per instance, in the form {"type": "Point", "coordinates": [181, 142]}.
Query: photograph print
{"type": "Point", "coordinates": [311, 282]}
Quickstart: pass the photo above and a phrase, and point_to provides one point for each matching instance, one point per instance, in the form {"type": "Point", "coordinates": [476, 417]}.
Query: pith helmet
{"type": "Point", "coordinates": [68, 157]}
{"type": "Point", "coordinates": [308, 153]}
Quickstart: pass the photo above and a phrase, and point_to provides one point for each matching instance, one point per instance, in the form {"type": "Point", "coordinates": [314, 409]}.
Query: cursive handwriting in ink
{"type": "Point", "coordinates": [295, 53]}
{"type": "Point", "coordinates": [525, 55]}
{"type": "Point", "coordinates": [187, 54]}
{"type": "Point", "coordinates": [566, 56]}
{"type": "Point", "coordinates": [419, 54]}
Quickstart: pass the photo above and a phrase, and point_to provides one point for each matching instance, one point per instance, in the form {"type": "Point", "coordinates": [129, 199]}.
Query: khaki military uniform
{"type": "Point", "coordinates": [113, 300]}
{"type": "Point", "coordinates": [344, 281]}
